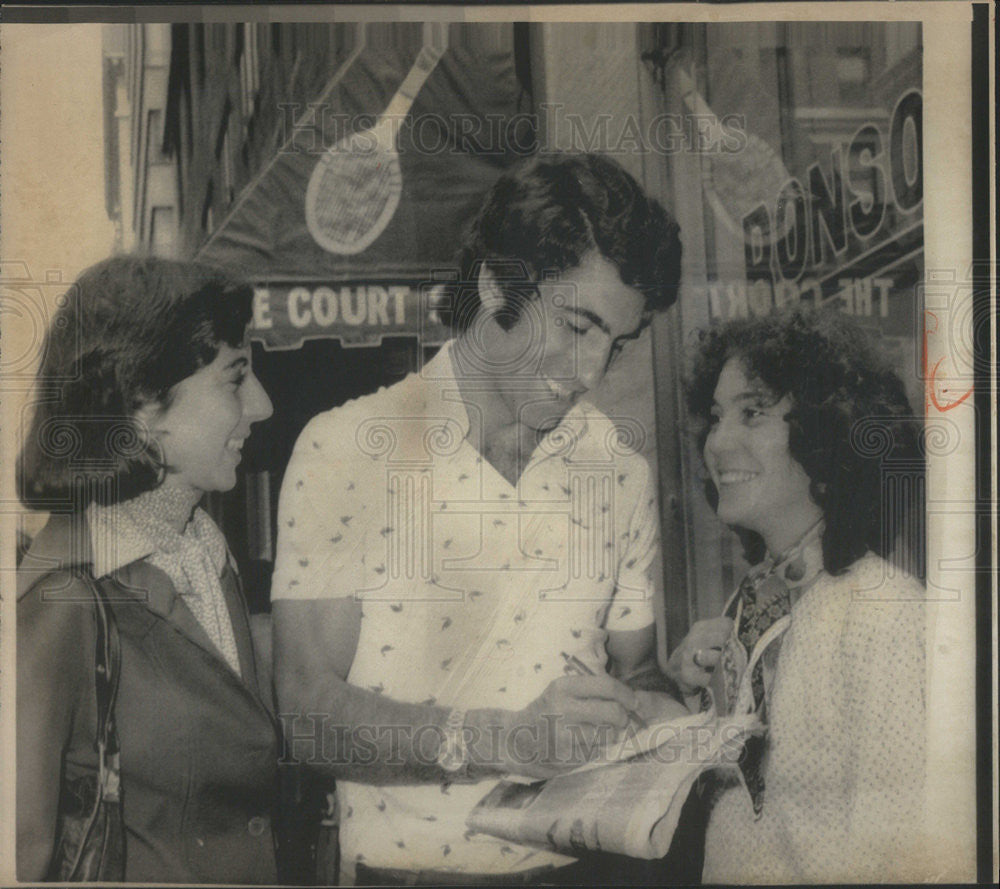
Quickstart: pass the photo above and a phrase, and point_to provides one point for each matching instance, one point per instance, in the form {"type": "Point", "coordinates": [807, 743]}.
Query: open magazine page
{"type": "Point", "coordinates": [627, 802]}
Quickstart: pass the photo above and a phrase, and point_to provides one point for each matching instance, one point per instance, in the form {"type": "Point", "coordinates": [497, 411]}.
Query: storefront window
{"type": "Point", "coordinates": [800, 180]}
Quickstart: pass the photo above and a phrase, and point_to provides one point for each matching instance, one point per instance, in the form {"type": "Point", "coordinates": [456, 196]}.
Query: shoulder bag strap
{"type": "Point", "coordinates": [107, 669]}
{"type": "Point", "coordinates": [107, 673]}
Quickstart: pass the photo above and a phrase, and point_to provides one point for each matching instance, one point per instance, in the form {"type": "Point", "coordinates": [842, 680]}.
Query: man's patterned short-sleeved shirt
{"type": "Point", "coordinates": [470, 586]}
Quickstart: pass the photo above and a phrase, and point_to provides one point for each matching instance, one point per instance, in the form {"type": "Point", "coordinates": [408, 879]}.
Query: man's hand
{"type": "Point", "coordinates": [693, 661]}
{"type": "Point", "coordinates": [566, 725]}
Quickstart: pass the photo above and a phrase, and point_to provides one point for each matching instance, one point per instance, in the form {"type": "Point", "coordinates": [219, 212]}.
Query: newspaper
{"type": "Point", "coordinates": [628, 802]}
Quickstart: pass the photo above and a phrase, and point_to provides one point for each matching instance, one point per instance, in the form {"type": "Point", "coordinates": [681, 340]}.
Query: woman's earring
{"type": "Point", "coordinates": [154, 451]}
{"type": "Point", "coordinates": [491, 297]}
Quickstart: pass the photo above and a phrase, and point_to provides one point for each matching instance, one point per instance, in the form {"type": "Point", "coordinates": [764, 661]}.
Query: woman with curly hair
{"type": "Point", "coordinates": [146, 397]}
{"type": "Point", "coordinates": [824, 638]}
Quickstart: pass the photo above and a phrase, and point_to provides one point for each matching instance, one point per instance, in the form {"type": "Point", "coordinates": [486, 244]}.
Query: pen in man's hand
{"type": "Point", "coordinates": [581, 668]}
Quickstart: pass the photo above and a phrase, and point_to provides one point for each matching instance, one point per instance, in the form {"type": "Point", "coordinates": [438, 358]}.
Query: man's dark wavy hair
{"type": "Point", "coordinates": [549, 211]}
{"type": "Point", "coordinates": [125, 334]}
{"type": "Point", "coordinates": [849, 414]}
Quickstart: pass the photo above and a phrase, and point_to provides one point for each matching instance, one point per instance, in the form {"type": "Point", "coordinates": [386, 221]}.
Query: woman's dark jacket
{"type": "Point", "coordinates": [199, 744]}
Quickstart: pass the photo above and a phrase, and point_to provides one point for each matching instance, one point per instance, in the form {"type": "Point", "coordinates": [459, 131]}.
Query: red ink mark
{"type": "Point", "coordinates": [930, 376]}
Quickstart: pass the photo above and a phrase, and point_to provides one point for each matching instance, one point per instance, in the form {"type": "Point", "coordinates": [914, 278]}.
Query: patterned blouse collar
{"type": "Point", "coordinates": [134, 529]}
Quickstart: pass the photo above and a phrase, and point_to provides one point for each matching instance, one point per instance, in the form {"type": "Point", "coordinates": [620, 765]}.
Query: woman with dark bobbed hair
{"type": "Point", "coordinates": [145, 398]}
{"type": "Point", "coordinates": [824, 637]}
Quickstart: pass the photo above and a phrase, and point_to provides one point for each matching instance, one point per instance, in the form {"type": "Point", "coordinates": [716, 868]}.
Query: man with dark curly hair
{"type": "Point", "coordinates": [448, 547]}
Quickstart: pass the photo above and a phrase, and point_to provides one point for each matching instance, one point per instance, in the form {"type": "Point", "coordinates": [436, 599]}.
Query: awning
{"type": "Point", "coordinates": [466, 124]}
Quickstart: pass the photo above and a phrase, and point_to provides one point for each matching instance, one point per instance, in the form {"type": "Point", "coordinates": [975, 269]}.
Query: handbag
{"type": "Point", "coordinates": [90, 834]}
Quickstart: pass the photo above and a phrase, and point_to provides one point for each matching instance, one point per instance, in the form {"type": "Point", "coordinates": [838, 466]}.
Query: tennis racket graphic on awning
{"type": "Point", "coordinates": [354, 190]}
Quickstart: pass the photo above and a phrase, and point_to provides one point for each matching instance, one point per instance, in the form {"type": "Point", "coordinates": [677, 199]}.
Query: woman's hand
{"type": "Point", "coordinates": [693, 661]}
{"type": "Point", "coordinates": [567, 725]}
